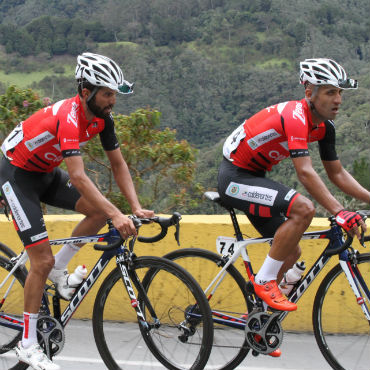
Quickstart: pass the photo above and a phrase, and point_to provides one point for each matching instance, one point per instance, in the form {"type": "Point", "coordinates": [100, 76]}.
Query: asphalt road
{"type": "Point", "coordinates": [300, 352]}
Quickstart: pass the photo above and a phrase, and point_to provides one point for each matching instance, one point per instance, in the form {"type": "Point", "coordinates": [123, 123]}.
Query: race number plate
{"type": "Point", "coordinates": [226, 245]}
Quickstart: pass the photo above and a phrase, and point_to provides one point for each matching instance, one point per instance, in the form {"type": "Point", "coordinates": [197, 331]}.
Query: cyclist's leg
{"type": "Point", "coordinates": [64, 195]}
{"type": "Point", "coordinates": [268, 228]}
{"type": "Point", "coordinates": [288, 235]}
{"type": "Point", "coordinates": [265, 198]}
{"type": "Point", "coordinates": [61, 193]}
{"type": "Point", "coordinates": [41, 262]}
{"type": "Point", "coordinates": [21, 190]}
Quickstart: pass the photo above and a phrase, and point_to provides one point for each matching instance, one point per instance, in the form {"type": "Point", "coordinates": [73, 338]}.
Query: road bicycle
{"type": "Point", "coordinates": [173, 315]}
{"type": "Point", "coordinates": [242, 325]}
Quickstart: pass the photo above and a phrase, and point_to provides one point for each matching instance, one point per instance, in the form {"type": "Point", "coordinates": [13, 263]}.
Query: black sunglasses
{"type": "Point", "coordinates": [126, 88]}
{"type": "Point", "coordinates": [349, 83]}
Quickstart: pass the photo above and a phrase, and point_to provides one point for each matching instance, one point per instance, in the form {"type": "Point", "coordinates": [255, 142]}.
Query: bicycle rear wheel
{"type": "Point", "coordinates": [341, 329]}
{"type": "Point", "coordinates": [11, 310]}
{"type": "Point", "coordinates": [229, 303]}
{"type": "Point", "coordinates": [6, 251]}
{"type": "Point", "coordinates": [171, 292]}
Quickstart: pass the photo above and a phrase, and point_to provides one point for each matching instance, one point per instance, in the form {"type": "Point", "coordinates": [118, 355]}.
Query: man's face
{"type": "Point", "coordinates": [103, 102]}
{"type": "Point", "coordinates": [327, 101]}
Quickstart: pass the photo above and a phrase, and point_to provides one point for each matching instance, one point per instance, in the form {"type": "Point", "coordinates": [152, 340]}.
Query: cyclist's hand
{"type": "Point", "coordinates": [143, 213]}
{"type": "Point", "coordinates": [124, 225]}
{"type": "Point", "coordinates": [350, 221]}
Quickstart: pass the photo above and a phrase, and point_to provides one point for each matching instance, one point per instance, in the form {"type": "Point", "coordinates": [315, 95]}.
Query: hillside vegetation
{"type": "Point", "coordinates": [205, 64]}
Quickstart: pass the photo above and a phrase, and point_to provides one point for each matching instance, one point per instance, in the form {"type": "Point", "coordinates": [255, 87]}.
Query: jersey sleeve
{"type": "Point", "coordinates": [327, 143]}
{"type": "Point", "coordinates": [108, 136]}
{"type": "Point", "coordinates": [68, 137]}
{"type": "Point", "coordinates": [295, 125]}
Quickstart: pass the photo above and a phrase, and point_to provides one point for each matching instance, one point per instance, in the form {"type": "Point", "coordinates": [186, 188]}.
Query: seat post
{"type": "Point", "coordinates": [238, 233]}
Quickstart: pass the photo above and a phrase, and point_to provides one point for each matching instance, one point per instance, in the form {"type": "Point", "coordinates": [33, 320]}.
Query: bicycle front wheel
{"type": "Point", "coordinates": [229, 304]}
{"type": "Point", "coordinates": [341, 329]}
{"type": "Point", "coordinates": [174, 340]}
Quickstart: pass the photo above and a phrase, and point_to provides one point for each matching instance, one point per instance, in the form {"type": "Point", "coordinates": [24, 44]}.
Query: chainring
{"type": "Point", "coordinates": [51, 335]}
{"type": "Point", "coordinates": [263, 332]}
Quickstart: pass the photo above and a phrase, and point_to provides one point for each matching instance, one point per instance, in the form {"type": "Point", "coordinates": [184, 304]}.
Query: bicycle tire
{"type": "Point", "coordinates": [6, 251]}
{"type": "Point", "coordinates": [340, 326]}
{"type": "Point", "coordinates": [13, 306]}
{"type": "Point", "coordinates": [229, 344]}
{"type": "Point", "coordinates": [170, 290]}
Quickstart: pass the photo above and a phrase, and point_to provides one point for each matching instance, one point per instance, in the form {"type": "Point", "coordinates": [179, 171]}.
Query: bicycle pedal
{"type": "Point", "coordinates": [255, 353]}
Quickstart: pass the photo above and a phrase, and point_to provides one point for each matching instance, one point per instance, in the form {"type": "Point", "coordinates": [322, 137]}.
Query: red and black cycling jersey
{"type": "Point", "coordinates": [278, 132]}
{"type": "Point", "coordinates": [43, 140]}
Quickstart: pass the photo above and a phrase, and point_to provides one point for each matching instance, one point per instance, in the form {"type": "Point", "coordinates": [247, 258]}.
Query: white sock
{"type": "Point", "coordinates": [63, 257]}
{"type": "Point", "coordinates": [268, 271]}
{"type": "Point", "coordinates": [29, 329]}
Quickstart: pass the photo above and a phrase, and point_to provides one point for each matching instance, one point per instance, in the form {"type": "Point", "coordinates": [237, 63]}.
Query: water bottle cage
{"type": "Point", "coordinates": [284, 283]}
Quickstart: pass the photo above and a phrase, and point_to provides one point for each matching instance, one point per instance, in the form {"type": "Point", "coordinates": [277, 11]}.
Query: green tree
{"type": "Point", "coordinates": [162, 167]}
{"type": "Point", "coordinates": [361, 172]}
{"type": "Point", "coordinates": [15, 106]}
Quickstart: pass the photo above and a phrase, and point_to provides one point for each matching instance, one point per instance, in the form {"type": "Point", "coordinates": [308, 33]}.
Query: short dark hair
{"type": "Point", "coordinates": [82, 83]}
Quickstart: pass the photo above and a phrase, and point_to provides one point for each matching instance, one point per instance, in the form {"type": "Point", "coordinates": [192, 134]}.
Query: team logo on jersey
{"type": "Point", "coordinates": [253, 194]}
{"type": "Point", "coordinates": [289, 194]}
{"type": "Point", "coordinates": [298, 113]}
{"type": "Point", "coordinates": [263, 138]}
{"type": "Point", "coordinates": [39, 140]}
{"type": "Point", "coordinates": [40, 236]}
{"type": "Point", "coordinates": [232, 189]}
{"type": "Point", "coordinates": [72, 115]}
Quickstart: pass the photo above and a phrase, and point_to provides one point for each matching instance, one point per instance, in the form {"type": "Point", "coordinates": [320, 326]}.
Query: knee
{"type": "Point", "coordinates": [44, 265]}
{"type": "Point", "coordinates": [303, 209]}
{"type": "Point", "coordinates": [97, 218]}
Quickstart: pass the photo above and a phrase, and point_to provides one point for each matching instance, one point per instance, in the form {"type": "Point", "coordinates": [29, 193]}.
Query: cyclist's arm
{"type": "Point", "coordinates": [124, 181]}
{"type": "Point", "coordinates": [344, 181]}
{"type": "Point", "coordinates": [314, 185]}
{"type": "Point", "coordinates": [89, 191]}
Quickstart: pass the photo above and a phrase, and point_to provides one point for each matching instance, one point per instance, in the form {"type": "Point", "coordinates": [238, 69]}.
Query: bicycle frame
{"type": "Point", "coordinates": [110, 237]}
{"type": "Point", "coordinates": [335, 237]}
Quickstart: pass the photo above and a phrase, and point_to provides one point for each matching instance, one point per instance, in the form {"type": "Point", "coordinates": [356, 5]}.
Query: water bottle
{"type": "Point", "coordinates": [291, 277]}
{"type": "Point", "coordinates": [76, 278]}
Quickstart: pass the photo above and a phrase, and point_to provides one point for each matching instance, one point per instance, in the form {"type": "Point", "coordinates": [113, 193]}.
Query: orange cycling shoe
{"type": "Point", "coordinates": [271, 294]}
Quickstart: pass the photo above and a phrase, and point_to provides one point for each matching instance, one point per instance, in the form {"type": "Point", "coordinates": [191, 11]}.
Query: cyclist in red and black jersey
{"type": "Point", "coordinates": [273, 134]}
{"type": "Point", "coordinates": [29, 175]}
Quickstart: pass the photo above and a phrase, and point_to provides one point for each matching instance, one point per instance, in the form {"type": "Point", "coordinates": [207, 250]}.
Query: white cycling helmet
{"type": "Point", "coordinates": [101, 71]}
{"type": "Point", "coordinates": [323, 71]}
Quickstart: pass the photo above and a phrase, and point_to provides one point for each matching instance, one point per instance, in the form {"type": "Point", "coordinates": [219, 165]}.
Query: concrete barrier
{"type": "Point", "coordinates": [196, 231]}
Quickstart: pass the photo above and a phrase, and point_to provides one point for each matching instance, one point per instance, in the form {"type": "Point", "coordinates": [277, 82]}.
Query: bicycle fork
{"type": "Point", "coordinates": [349, 266]}
{"type": "Point", "coordinates": [127, 274]}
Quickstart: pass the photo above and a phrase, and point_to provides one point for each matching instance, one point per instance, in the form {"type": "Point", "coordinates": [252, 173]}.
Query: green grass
{"type": "Point", "coordinates": [118, 43]}
{"type": "Point", "coordinates": [275, 62]}
{"type": "Point", "coordinates": [24, 80]}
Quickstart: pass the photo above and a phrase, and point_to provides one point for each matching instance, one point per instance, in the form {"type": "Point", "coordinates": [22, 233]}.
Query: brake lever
{"type": "Point", "coordinates": [136, 221]}
{"type": "Point", "coordinates": [362, 240]}
{"type": "Point", "coordinates": [177, 217]}
{"type": "Point", "coordinates": [177, 233]}
{"type": "Point", "coordinates": [363, 214]}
